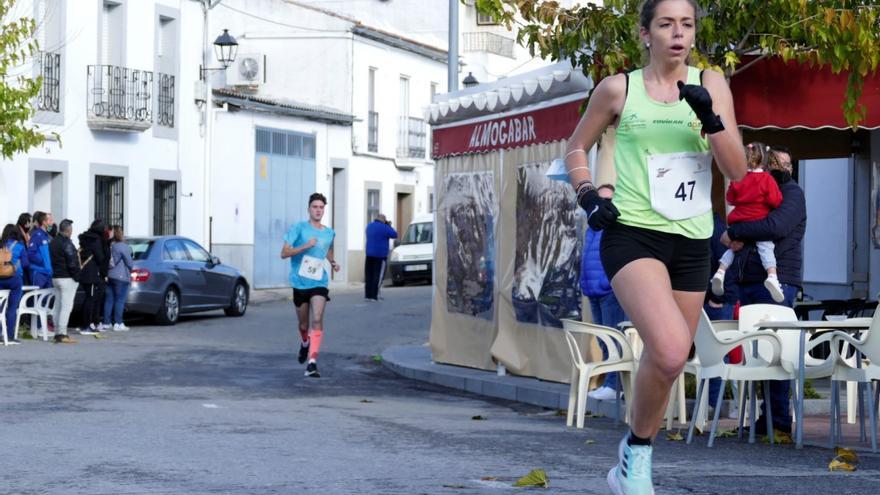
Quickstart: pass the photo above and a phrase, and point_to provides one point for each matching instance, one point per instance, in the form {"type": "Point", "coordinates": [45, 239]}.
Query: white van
{"type": "Point", "coordinates": [412, 258]}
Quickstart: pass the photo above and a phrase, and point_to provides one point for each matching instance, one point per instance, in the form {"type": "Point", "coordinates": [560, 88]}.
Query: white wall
{"type": "Point", "coordinates": [136, 152]}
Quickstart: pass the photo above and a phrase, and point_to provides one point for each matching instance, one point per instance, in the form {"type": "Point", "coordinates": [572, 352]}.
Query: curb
{"type": "Point", "coordinates": [415, 363]}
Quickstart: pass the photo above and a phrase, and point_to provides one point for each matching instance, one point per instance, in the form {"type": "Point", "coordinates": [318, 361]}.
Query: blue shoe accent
{"type": "Point", "coordinates": [632, 474]}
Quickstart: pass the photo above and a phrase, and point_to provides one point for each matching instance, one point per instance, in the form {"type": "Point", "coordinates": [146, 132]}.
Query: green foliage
{"type": "Point", "coordinates": [17, 92]}
{"type": "Point", "coordinates": [841, 34]}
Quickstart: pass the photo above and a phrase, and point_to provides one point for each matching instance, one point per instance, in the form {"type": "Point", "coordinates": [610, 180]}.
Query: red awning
{"type": "Point", "coordinates": [775, 94]}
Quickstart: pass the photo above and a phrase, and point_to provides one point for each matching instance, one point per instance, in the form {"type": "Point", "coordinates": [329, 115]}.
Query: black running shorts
{"type": "Point", "coordinates": [687, 260]}
{"type": "Point", "coordinates": [303, 296]}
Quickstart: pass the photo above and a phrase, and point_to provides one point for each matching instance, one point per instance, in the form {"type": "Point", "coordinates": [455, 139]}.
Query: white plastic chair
{"type": "Point", "coordinates": [43, 305]}
{"type": "Point", "coordinates": [847, 370]}
{"type": "Point", "coordinates": [581, 371]}
{"type": "Point", "coordinates": [4, 303]}
{"type": "Point", "coordinates": [712, 346]}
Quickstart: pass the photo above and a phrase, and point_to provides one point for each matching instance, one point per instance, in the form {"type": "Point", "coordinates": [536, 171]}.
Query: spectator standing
{"type": "Point", "coordinates": [94, 259]}
{"type": "Point", "coordinates": [24, 225]}
{"type": "Point", "coordinates": [379, 232]}
{"type": "Point", "coordinates": [38, 251]}
{"type": "Point", "coordinates": [13, 242]}
{"type": "Point", "coordinates": [118, 281]}
{"type": "Point", "coordinates": [785, 226]}
{"type": "Point", "coordinates": [65, 278]}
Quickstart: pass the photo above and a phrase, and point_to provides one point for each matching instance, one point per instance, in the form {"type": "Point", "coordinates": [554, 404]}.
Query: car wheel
{"type": "Point", "coordinates": [239, 301]}
{"type": "Point", "coordinates": [169, 310]}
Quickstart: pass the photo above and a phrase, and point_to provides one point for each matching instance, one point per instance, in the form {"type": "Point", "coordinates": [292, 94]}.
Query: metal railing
{"type": "Point", "coordinates": [49, 68]}
{"type": "Point", "coordinates": [487, 42]}
{"type": "Point", "coordinates": [411, 138]}
{"type": "Point", "coordinates": [120, 93]}
{"type": "Point", "coordinates": [165, 100]}
{"type": "Point", "coordinates": [373, 132]}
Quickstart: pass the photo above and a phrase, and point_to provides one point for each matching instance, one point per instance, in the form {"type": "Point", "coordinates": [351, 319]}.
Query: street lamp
{"type": "Point", "coordinates": [225, 49]}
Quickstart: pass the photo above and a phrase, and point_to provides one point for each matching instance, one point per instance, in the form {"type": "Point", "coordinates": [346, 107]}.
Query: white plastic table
{"type": "Point", "coordinates": [805, 327]}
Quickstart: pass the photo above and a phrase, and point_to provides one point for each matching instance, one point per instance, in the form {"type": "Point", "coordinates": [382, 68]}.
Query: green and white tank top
{"type": "Point", "coordinates": [664, 172]}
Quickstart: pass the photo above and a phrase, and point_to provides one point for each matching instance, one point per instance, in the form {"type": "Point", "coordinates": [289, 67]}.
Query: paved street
{"type": "Point", "coordinates": [219, 405]}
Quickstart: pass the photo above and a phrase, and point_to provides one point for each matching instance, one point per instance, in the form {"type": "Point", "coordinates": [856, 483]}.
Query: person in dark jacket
{"type": "Point", "coordinates": [38, 251]}
{"type": "Point", "coordinates": [95, 258]}
{"type": "Point", "coordinates": [379, 232]}
{"type": "Point", "coordinates": [65, 278]}
{"type": "Point", "coordinates": [719, 307]}
{"type": "Point", "coordinates": [606, 309]}
{"type": "Point", "coordinates": [13, 241]}
{"type": "Point", "coordinates": [785, 226]}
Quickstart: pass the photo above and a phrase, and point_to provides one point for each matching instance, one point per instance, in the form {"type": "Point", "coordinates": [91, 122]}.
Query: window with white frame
{"type": "Point", "coordinates": [485, 20]}
{"type": "Point", "coordinates": [373, 115]}
{"type": "Point", "coordinates": [166, 70]}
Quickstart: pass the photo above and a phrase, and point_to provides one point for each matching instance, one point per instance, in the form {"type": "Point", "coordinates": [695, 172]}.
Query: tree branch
{"type": "Point", "coordinates": [753, 62]}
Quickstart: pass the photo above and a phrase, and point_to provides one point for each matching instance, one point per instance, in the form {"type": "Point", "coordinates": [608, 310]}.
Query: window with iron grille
{"type": "Point", "coordinates": [412, 137]}
{"type": "Point", "coordinates": [372, 204]}
{"type": "Point", "coordinates": [164, 207]}
{"type": "Point", "coordinates": [109, 199]}
{"type": "Point", "coordinates": [373, 136]}
{"type": "Point", "coordinates": [165, 97]}
{"type": "Point", "coordinates": [49, 67]}
{"type": "Point", "coordinates": [485, 20]}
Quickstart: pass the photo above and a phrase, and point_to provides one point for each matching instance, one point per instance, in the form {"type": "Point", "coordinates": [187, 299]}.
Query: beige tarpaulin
{"type": "Point", "coordinates": [463, 317]}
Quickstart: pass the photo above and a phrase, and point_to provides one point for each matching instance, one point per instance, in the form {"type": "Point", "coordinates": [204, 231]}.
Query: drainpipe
{"type": "Point", "coordinates": [452, 75]}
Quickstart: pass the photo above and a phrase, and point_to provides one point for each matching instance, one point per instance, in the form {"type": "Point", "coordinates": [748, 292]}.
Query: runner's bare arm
{"type": "Point", "coordinates": [727, 146]}
{"type": "Point", "coordinates": [603, 108]}
{"type": "Point", "coordinates": [332, 258]}
{"type": "Point", "coordinates": [287, 251]}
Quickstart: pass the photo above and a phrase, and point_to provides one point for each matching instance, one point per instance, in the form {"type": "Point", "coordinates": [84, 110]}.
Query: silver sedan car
{"type": "Point", "coordinates": [173, 275]}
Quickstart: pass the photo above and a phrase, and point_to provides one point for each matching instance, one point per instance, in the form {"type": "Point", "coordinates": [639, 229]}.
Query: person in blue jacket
{"type": "Point", "coordinates": [379, 232]}
{"type": "Point", "coordinates": [38, 251]}
{"type": "Point", "coordinates": [604, 305]}
{"type": "Point", "coordinates": [12, 240]}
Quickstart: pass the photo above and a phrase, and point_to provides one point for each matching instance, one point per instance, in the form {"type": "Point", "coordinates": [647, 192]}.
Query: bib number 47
{"type": "Point", "coordinates": [682, 191]}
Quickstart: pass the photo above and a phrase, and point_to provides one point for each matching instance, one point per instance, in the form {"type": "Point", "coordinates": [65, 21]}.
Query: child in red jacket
{"type": "Point", "coordinates": [752, 199]}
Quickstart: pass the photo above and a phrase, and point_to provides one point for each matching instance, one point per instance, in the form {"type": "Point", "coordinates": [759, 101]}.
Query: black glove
{"type": "Point", "coordinates": [701, 102]}
{"type": "Point", "coordinates": [601, 213]}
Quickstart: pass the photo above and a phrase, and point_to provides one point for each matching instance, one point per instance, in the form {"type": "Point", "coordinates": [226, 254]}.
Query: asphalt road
{"type": "Point", "coordinates": [219, 405]}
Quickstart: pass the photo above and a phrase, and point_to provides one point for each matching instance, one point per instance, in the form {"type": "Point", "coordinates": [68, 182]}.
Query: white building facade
{"type": "Point", "coordinates": [118, 92]}
{"type": "Point", "coordinates": [354, 92]}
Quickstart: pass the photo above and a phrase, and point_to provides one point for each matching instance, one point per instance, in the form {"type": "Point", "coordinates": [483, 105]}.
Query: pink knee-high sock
{"type": "Point", "coordinates": [315, 335]}
{"type": "Point", "coordinates": [304, 335]}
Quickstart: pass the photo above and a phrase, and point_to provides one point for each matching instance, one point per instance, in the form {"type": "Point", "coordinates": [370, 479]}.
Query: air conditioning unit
{"type": "Point", "coordinates": [247, 70]}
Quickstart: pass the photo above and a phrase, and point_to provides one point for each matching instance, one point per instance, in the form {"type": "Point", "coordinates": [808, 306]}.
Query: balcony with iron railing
{"type": "Point", "coordinates": [373, 132]}
{"type": "Point", "coordinates": [411, 138]}
{"type": "Point", "coordinates": [48, 66]}
{"type": "Point", "coordinates": [483, 41]}
{"type": "Point", "coordinates": [119, 98]}
{"type": "Point", "coordinates": [165, 100]}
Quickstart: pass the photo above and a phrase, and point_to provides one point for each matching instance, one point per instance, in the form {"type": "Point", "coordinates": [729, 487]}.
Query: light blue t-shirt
{"type": "Point", "coordinates": [308, 269]}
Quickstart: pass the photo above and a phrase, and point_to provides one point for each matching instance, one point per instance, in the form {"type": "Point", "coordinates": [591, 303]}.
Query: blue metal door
{"type": "Point", "coordinates": [284, 179]}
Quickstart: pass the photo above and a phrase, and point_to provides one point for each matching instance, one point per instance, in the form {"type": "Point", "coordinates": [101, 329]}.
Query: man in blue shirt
{"type": "Point", "coordinates": [308, 244]}
{"type": "Point", "coordinates": [38, 251]}
{"type": "Point", "coordinates": [379, 232]}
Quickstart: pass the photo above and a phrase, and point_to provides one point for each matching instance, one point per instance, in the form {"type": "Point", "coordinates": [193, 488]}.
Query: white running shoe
{"type": "Point", "coordinates": [120, 327]}
{"type": "Point", "coordinates": [632, 474]}
{"type": "Point", "coordinates": [603, 393]}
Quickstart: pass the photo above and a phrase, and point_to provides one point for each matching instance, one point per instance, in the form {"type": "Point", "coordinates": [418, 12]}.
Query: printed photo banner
{"type": "Point", "coordinates": [542, 125]}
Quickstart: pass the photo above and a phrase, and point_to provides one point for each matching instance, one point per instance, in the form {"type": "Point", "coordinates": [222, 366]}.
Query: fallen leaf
{"type": "Point", "coordinates": [366, 401]}
{"type": "Point", "coordinates": [99, 337]}
{"type": "Point", "coordinates": [780, 437]}
{"type": "Point", "coordinates": [589, 442]}
{"type": "Point", "coordinates": [846, 455]}
{"type": "Point", "coordinates": [839, 465]}
{"type": "Point", "coordinates": [535, 478]}
{"type": "Point", "coordinates": [478, 418]}
{"type": "Point", "coordinates": [674, 436]}
{"type": "Point", "coordinates": [377, 358]}
{"type": "Point", "coordinates": [591, 415]}
{"type": "Point", "coordinates": [489, 478]}
{"type": "Point", "coordinates": [450, 485]}
{"type": "Point", "coordinates": [562, 412]}
{"type": "Point", "coordinates": [726, 434]}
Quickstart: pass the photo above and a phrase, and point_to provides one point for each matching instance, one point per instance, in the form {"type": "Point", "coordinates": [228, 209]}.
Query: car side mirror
{"type": "Point", "coordinates": [215, 260]}
{"type": "Point", "coordinates": [396, 242]}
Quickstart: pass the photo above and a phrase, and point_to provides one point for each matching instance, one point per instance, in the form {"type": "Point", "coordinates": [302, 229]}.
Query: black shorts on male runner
{"type": "Point", "coordinates": [687, 260]}
{"type": "Point", "coordinates": [303, 296]}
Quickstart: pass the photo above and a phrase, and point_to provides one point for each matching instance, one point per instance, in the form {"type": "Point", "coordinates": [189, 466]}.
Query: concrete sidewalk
{"type": "Point", "coordinates": [415, 362]}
